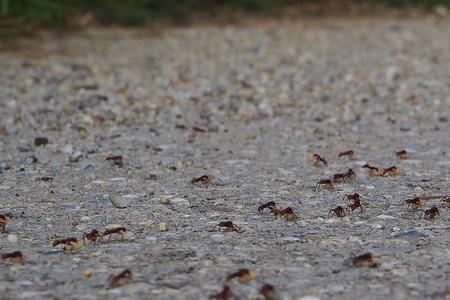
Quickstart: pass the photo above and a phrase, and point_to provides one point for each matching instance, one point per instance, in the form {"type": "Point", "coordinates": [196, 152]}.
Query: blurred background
{"type": "Point", "coordinates": [29, 13]}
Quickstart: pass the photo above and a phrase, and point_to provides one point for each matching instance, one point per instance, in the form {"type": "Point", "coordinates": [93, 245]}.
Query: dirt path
{"type": "Point", "coordinates": [245, 105]}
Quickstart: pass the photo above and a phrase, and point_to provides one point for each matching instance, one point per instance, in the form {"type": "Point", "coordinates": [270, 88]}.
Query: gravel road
{"type": "Point", "coordinates": [120, 117]}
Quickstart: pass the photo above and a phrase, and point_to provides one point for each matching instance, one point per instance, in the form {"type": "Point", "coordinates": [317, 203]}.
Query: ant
{"type": "Point", "coordinates": [324, 183]}
{"type": "Point", "coordinates": [316, 160]}
{"type": "Point", "coordinates": [222, 295]}
{"type": "Point", "coordinates": [391, 171]}
{"type": "Point", "coordinates": [350, 154]}
{"type": "Point", "coordinates": [244, 275]}
{"type": "Point", "coordinates": [118, 230]}
{"type": "Point", "coordinates": [198, 129]}
{"type": "Point", "coordinates": [430, 214]}
{"type": "Point", "coordinates": [355, 201]}
{"type": "Point", "coordinates": [338, 211]}
{"type": "Point", "coordinates": [413, 203]}
{"type": "Point", "coordinates": [14, 257]}
{"type": "Point", "coordinates": [117, 160]}
{"type": "Point", "coordinates": [339, 177]}
{"type": "Point", "coordinates": [205, 179]}
{"type": "Point", "coordinates": [364, 261]}
{"type": "Point", "coordinates": [69, 244]}
{"type": "Point", "coordinates": [227, 226]}
{"type": "Point", "coordinates": [288, 213]}
{"type": "Point", "coordinates": [92, 236]}
{"type": "Point", "coordinates": [351, 175]}
{"type": "Point", "coordinates": [347, 176]}
{"type": "Point", "coordinates": [373, 171]}
{"type": "Point", "coordinates": [402, 154]}
{"type": "Point", "coordinates": [4, 220]}
{"type": "Point", "coordinates": [353, 197]}
{"type": "Point", "coordinates": [270, 205]}
{"type": "Point", "coordinates": [267, 291]}
{"type": "Point", "coordinates": [120, 279]}
{"type": "Point", "coordinates": [75, 223]}
{"type": "Point", "coordinates": [446, 201]}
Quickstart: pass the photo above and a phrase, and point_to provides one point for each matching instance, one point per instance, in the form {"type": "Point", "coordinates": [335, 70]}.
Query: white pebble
{"type": "Point", "coordinates": [385, 217]}
{"type": "Point", "coordinates": [123, 201]}
{"type": "Point", "coordinates": [12, 238]}
{"type": "Point", "coordinates": [309, 297]}
{"type": "Point", "coordinates": [179, 201]}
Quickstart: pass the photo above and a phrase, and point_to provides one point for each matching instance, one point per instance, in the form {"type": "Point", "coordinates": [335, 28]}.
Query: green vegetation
{"type": "Point", "coordinates": [135, 12]}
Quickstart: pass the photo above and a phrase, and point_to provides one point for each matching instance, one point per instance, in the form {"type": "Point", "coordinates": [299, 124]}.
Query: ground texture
{"type": "Point", "coordinates": [245, 104]}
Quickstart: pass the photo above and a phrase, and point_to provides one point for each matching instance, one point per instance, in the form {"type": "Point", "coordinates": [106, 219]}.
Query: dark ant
{"type": "Point", "coordinates": [324, 183]}
{"type": "Point", "coordinates": [4, 220]}
{"type": "Point", "coordinates": [271, 205]}
{"type": "Point", "coordinates": [402, 154]}
{"type": "Point", "coordinates": [338, 211]}
{"type": "Point", "coordinates": [413, 203]}
{"type": "Point", "coordinates": [391, 171]}
{"type": "Point", "coordinates": [373, 171]}
{"type": "Point", "coordinates": [341, 177]}
{"type": "Point", "coordinates": [122, 278]}
{"type": "Point", "coordinates": [14, 257]}
{"type": "Point", "coordinates": [118, 230]}
{"type": "Point", "coordinates": [316, 160]}
{"type": "Point", "coordinates": [117, 160]}
{"type": "Point", "coordinates": [267, 291]}
{"type": "Point", "coordinates": [205, 179]}
{"type": "Point", "coordinates": [355, 201]}
{"type": "Point", "coordinates": [69, 244]}
{"type": "Point", "coordinates": [364, 261]}
{"type": "Point", "coordinates": [244, 275]}
{"type": "Point", "coordinates": [353, 197]}
{"type": "Point", "coordinates": [227, 226]}
{"type": "Point", "coordinates": [198, 129]}
{"type": "Point", "coordinates": [351, 175]}
{"type": "Point", "coordinates": [92, 236]}
{"type": "Point", "coordinates": [349, 154]}
{"type": "Point", "coordinates": [430, 214]}
{"type": "Point", "coordinates": [287, 213]}
{"type": "Point", "coordinates": [222, 295]}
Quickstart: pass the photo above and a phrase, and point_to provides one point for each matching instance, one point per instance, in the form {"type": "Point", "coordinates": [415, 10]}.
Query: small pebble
{"type": "Point", "coordinates": [40, 141]}
{"type": "Point", "coordinates": [12, 238]}
{"type": "Point", "coordinates": [87, 273]}
{"type": "Point", "coordinates": [123, 201]}
{"type": "Point", "coordinates": [399, 272]}
{"type": "Point", "coordinates": [309, 297]}
{"type": "Point", "coordinates": [385, 217]}
{"type": "Point", "coordinates": [179, 201]}
{"type": "Point", "coordinates": [163, 227]}
{"type": "Point", "coordinates": [147, 223]}
{"type": "Point", "coordinates": [164, 200]}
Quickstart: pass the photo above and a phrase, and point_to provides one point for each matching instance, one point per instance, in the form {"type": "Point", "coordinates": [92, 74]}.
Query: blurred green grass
{"type": "Point", "coordinates": [136, 12]}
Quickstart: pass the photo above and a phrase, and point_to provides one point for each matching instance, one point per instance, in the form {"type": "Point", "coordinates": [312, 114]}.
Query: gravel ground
{"type": "Point", "coordinates": [246, 105]}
